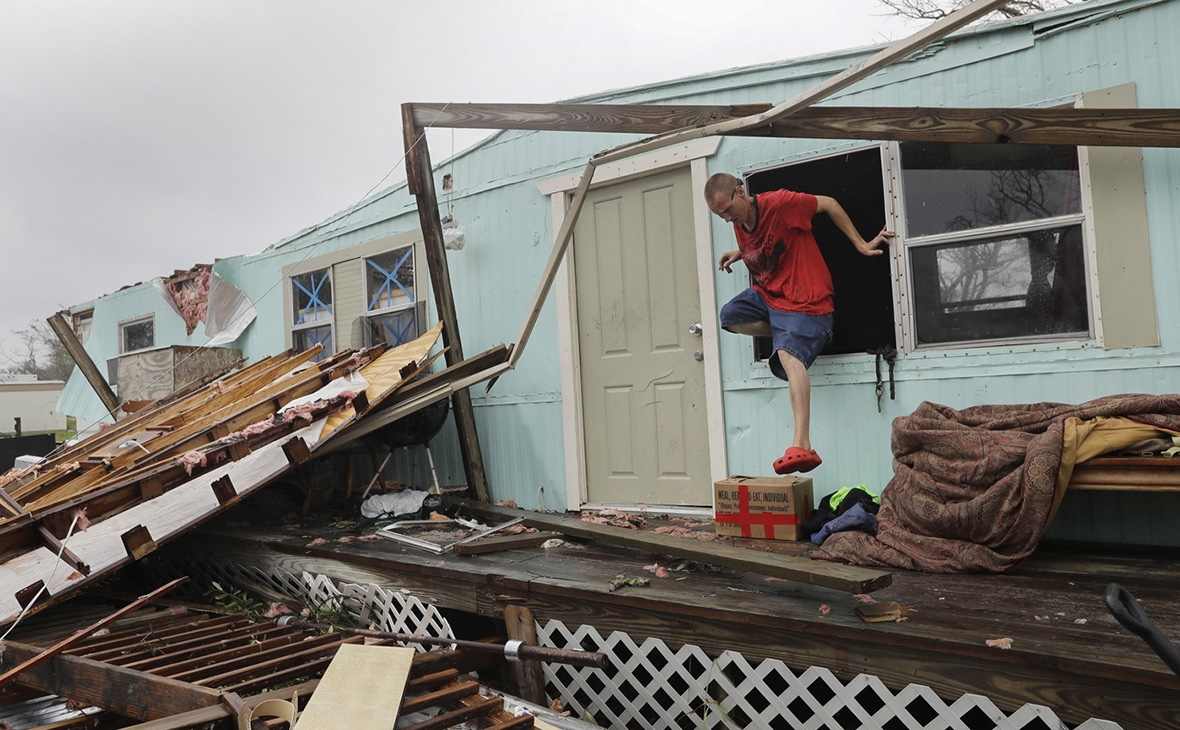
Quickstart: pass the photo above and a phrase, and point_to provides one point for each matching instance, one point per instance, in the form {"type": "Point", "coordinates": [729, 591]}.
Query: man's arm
{"type": "Point", "coordinates": [729, 258]}
{"type": "Point", "coordinates": [835, 211]}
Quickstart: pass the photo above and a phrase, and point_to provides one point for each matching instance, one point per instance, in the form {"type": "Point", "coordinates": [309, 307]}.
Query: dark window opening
{"type": "Point", "coordinates": [863, 300]}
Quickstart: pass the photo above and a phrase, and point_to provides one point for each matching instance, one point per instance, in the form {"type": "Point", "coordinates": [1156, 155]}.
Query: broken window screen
{"type": "Point", "coordinates": [951, 187]}
{"type": "Point", "coordinates": [391, 311]}
{"type": "Point", "coordinates": [137, 335]}
{"type": "Point", "coordinates": [1001, 288]}
{"type": "Point", "coordinates": [312, 316]}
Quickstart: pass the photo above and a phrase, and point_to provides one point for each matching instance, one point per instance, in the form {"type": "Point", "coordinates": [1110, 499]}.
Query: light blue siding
{"type": "Point", "coordinates": [1028, 62]}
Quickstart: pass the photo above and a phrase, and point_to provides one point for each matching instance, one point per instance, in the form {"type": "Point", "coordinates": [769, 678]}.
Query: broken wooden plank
{"type": "Point", "coordinates": [218, 712]}
{"type": "Point", "coordinates": [499, 543]}
{"type": "Point", "coordinates": [851, 578]}
{"type": "Point", "coordinates": [83, 633]}
{"type": "Point", "coordinates": [78, 354]}
{"type": "Point", "coordinates": [421, 393]}
{"type": "Point", "coordinates": [57, 547]}
{"type": "Point", "coordinates": [135, 694]}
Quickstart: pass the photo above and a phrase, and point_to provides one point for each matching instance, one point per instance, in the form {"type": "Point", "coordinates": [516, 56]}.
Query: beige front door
{"type": "Point", "coordinates": [643, 392]}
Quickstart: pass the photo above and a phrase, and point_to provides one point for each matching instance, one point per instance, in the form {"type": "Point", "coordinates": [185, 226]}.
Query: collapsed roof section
{"type": "Point", "coordinates": [114, 497]}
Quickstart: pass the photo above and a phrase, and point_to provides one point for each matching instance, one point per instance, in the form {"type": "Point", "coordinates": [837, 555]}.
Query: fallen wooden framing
{"type": "Point", "coordinates": [849, 578]}
{"type": "Point", "coordinates": [1052, 125]}
{"type": "Point", "coordinates": [675, 124]}
{"type": "Point", "coordinates": [174, 669]}
{"type": "Point", "coordinates": [116, 496]}
{"type": "Point", "coordinates": [796, 117]}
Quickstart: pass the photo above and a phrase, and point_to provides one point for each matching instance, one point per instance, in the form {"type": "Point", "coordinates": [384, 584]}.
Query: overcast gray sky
{"type": "Point", "coordinates": [142, 136]}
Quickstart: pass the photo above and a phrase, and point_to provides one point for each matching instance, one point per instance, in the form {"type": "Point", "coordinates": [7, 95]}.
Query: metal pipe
{"type": "Point", "coordinates": [513, 651]}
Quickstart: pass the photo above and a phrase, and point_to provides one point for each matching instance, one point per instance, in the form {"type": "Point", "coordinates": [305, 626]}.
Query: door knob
{"type": "Point", "coordinates": [695, 329]}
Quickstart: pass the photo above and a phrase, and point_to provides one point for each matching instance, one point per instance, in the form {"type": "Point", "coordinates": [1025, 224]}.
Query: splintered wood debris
{"type": "Point", "coordinates": [114, 497]}
{"type": "Point", "coordinates": [180, 668]}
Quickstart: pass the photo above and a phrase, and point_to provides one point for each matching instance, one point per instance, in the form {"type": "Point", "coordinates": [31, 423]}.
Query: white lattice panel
{"type": "Point", "coordinates": [369, 606]}
{"type": "Point", "coordinates": [651, 686]}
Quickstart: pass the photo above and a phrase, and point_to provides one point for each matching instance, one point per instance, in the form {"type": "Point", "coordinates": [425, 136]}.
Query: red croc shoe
{"type": "Point", "coordinates": [797, 459]}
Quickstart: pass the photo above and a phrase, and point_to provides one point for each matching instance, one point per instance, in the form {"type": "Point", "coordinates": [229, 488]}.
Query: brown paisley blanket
{"type": "Point", "coordinates": [974, 490]}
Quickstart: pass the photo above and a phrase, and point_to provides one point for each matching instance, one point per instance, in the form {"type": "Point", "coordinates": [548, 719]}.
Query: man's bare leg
{"type": "Point", "coordinates": [800, 387]}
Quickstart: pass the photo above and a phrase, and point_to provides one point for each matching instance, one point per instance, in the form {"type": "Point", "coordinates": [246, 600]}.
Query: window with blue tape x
{"type": "Point", "coordinates": [312, 315]}
{"type": "Point", "coordinates": [391, 313]}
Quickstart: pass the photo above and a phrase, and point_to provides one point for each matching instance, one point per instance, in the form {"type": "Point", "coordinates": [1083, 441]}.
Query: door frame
{"type": "Point", "coordinates": [559, 189]}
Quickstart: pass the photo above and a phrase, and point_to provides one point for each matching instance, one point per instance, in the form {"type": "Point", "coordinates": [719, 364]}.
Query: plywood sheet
{"type": "Point", "coordinates": [385, 372]}
{"type": "Point", "coordinates": [362, 689]}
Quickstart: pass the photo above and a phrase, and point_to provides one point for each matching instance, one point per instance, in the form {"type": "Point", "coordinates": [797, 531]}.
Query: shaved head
{"type": "Point", "coordinates": [722, 182]}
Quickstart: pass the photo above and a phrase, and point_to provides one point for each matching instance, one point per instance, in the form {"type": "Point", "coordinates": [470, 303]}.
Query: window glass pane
{"type": "Point", "coordinates": [951, 187]}
{"type": "Point", "coordinates": [1001, 287]}
{"type": "Point", "coordinates": [311, 336]}
{"type": "Point", "coordinates": [389, 279]}
{"type": "Point", "coordinates": [139, 335]}
{"type": "Point", "coordinates": [395, 328]}
{"type": "Point", "coordinates": [311, 294]}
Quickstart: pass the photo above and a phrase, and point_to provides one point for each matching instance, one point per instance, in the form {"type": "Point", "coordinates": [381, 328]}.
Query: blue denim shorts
{"type": "Point", "coordinates": [801, 335]}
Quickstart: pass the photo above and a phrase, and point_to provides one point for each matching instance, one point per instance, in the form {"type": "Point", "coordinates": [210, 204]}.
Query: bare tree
{"type": "Point", "coordinates": [39, 353]}
{"type": "Point", "coordinates": [937, 9]}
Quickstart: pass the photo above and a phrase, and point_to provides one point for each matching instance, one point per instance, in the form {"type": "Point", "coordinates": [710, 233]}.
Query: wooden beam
{"type": "Point", "coordinates": [74, 346]}
{"type": "Point", "coordinates": [625, 118]}
{"type": "Point", "coordinates": [500, 543]}
{"type": "Point", "coordinates": [848, 77]}
{"type": "Point", "coordinates": [560, 244]}
{"type": "Point", "coordinates": [81, 634]}
{"type": "Point", "coordinates": [420, 178]}
{"type": "Point", "coordinates": [849, 578]}
{"type": "Point", "coordinates": [1054, 125]}
{"type": "Point", "coordinates": [521, 625]}
{"type": "Point", "coordinates": [135, 694]}
{"type": "Point", "coordinates": [420, 393]}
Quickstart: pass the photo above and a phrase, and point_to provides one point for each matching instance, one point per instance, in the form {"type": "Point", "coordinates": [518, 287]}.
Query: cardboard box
{"type": "Point", "coordinates": [765, 507]}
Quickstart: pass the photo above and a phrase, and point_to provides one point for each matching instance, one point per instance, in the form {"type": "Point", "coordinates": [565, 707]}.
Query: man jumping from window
{"type": "Point", "coordinates": [790, 299]}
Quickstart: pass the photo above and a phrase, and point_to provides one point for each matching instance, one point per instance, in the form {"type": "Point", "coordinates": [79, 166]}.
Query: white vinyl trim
{"type": "Point", "coordinates": [570, 361]}
{"type": "Point", "coordinates": [710, 340]}
{"type": "Point", "coordinates": [640, 166]}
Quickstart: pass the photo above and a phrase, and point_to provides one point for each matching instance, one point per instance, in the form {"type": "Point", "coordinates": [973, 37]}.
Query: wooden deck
{"type": "Point", "coordinates": [1067, 652]}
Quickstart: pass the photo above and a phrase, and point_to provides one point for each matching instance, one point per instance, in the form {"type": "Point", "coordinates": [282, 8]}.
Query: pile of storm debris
{"type": "Point", "coordinates": [110, 499]}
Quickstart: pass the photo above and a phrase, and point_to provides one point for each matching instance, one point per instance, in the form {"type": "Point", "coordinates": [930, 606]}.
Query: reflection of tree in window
{"type": "Point", "coordinates": [1036, 276]}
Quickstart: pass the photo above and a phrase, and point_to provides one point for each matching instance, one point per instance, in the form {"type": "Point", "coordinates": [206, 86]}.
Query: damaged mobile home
{"type": "Point", "coordinates": [1032, 264]}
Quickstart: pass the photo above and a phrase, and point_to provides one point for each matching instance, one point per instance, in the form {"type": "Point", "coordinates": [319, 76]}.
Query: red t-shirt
{"type": "Point", "coordinates": [785, 264]}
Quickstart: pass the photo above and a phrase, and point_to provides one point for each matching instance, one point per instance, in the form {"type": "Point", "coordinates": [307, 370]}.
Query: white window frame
{"type": "Point", "coordinates": [149, 318]}
{"type": "Point", "coordinates": [413, 304]}
{"type": "Point", "coordinates": [902, 245]}
{"type": "Point", "coordinates": [331, 306]}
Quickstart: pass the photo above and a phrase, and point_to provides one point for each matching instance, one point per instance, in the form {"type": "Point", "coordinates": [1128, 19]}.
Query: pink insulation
{"type": "Point", "coordinates": [192, 459]}
{"type": "Point", "coordinates": [192, 298]}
